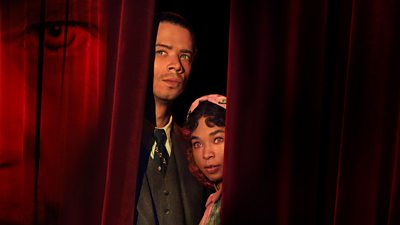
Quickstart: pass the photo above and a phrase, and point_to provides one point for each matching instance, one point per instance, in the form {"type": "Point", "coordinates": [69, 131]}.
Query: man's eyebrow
{"type": "Point", "coordinates": [170, 47]}
{"type": "Point", "coordinates": [186, 51]}
{"type": "Point", "coordinates": [164, 45]}
{"type": "Point", "coordinates": [216, 132]}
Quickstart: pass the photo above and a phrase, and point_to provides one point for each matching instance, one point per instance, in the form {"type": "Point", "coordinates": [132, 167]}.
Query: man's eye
{"type": "Point", "coordinates": [186, 57]}
{"type": "Point", "coordinates": [160, 52]}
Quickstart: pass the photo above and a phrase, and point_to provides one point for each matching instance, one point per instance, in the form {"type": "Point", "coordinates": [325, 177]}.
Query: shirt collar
{"type": "Point", "coordinates": [167, 129]}
{"type": "Point", "coordinates": [168, 144]}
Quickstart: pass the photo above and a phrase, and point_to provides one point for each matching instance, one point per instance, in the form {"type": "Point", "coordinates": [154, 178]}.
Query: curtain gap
{"type": "Point", "coordinates": [39, 90]}
{"type": "Point", "coordinates": [395, 166]}
{"type": "Point", "coordinates": [343, 122]}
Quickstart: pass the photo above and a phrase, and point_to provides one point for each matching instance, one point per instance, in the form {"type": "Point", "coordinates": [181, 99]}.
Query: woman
{"type": "Point", "coordinates": [205, 127]}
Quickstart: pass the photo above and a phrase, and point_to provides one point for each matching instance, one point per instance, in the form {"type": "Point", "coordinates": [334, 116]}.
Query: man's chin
{"type": "Point", "coordinates": [167, 97]}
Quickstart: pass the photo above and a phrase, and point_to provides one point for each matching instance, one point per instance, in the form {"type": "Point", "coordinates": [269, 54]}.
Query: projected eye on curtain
{"type": "Point", "coordinates": [51, 95]}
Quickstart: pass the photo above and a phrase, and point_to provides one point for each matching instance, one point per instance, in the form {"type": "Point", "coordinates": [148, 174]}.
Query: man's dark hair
{"type": "Point", "coordinates": [179, 20]}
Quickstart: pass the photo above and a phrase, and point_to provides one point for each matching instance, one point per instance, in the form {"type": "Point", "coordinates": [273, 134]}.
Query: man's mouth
{"type": "Point", "coordinates": [173, 82]}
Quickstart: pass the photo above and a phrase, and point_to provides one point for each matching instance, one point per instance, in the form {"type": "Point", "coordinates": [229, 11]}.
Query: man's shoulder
{"type": "Point", "coordinates": [178, 132]}
{"type": "Point", "coordinates": [147, 125]}
{"type": "Point", "coordinates": [179, 138]}
{"type": "Point", "coordinates": [147, 134]}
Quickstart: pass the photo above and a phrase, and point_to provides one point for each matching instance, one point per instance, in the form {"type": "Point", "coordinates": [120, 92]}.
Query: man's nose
{"type": "Point", "coordinates": [175, 65]}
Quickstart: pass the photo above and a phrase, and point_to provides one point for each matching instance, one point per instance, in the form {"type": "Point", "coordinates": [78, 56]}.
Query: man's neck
{"type": "Point", "coordinates": [163, 112]}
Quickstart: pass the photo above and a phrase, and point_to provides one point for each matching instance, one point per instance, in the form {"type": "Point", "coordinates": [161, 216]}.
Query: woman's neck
{"type": "Point", "coordinates": [218, 186]}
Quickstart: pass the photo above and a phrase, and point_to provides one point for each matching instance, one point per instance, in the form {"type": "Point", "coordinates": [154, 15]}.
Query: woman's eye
{"type": "Point", "coordinates": [196, 145]}
{"type": "Point", "coordinates": [218, 140]}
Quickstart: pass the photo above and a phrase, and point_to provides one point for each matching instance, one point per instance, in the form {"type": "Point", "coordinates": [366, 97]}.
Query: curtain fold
{"type": "Point", "coordinates": [312, 122]}
{"type": "Point", "coordinates": [131, 74]}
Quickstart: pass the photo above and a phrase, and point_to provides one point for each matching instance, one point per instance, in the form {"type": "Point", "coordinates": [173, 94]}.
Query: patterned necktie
{"type": "Point", "coordinates": [160, 153]}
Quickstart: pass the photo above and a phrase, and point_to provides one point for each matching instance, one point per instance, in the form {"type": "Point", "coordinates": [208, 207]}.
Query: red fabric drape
{"type": "Point", "coordinates": [132, 67]}
{"type": "Point", "coordinates": [71, 108]}
{"type": "Point", "coordinates": [313, 114]}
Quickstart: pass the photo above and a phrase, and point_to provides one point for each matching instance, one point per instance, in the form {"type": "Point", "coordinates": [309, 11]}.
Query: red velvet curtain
{"type": "Point", "coordinates": [73, 77]}
{"type": "Point", "coordinates": [313, 116]}
{"type": "Point", "coordinates": [313, 123]}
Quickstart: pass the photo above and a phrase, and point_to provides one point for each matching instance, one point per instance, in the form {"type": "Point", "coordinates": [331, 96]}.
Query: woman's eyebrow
{"type": "Point", "coordinates": [216, 132]}
{"type": "Point", "coordinates": [194, 138]}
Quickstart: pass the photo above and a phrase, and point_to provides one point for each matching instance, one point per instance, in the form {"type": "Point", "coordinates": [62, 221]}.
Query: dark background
{"type": "Point", "coordinates": [209, 71]}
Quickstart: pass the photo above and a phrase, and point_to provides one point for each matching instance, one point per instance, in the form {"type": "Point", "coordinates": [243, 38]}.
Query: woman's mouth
{"type": "Point", "coordinates": [212, 169]}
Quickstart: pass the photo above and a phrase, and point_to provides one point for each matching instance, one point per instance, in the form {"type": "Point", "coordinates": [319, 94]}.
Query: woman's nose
{"type": "Point", "coordinates": [208, 152]}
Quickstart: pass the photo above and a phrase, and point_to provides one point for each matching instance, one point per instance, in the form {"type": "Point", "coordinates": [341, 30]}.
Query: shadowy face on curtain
{"type": "Point", "coordinates": [208, 149]}
{"type": "Point", "coordinates": [72, 78]}
{"type": "Point", "coordinates": [173, 61]}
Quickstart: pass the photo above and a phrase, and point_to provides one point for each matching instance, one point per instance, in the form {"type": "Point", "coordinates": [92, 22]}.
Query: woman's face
{"type": "Point", "coordinates": [208, 149]}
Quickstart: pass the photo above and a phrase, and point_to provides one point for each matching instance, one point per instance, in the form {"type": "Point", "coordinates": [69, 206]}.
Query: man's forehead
{"type": "Point", "coordinates": [167, 23]}
{"type": "Point", "coordinates": [169, 29]}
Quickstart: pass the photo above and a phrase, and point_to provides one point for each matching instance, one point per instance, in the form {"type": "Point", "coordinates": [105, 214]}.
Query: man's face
{"type": "Point", "coordinates": [173, 61]}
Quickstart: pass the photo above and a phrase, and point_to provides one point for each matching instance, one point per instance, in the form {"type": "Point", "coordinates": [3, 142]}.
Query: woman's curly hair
{"type": "Point", "coordinates": [215, 116]}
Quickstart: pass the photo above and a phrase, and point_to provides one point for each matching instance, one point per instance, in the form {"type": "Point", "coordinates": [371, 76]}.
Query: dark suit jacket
{"type": "Point", "coordinates": [193, 194]}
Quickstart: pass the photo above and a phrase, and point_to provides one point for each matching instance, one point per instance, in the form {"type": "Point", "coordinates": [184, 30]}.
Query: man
{"type": "Point", "coordinates": [167, 192]}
